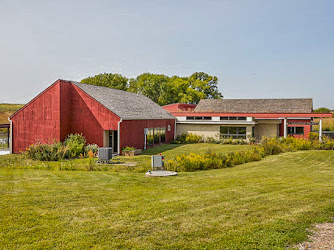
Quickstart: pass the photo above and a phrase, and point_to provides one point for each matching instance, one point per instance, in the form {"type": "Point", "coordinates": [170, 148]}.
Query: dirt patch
{"type": "Point", "coordinates": [322, 237]}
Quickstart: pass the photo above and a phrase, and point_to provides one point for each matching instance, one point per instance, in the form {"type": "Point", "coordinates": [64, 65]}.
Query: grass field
{"type": "Point", "coordinates": [266, 204]}
{"type": "Point", "coordinates": [327, 124]}
{"type": "Point", "coordinates": [7, 110]}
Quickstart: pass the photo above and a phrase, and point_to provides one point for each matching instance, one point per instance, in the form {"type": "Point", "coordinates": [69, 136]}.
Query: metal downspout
{"type": "Point", "coordinates": [11, 135]}
{"type": "Point", "coordinates": [119, 137]}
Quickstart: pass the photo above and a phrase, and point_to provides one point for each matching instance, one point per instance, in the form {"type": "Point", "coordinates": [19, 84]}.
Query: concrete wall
{"type": "Point", "coordinates": [208, 130]}
{"type": "Point", "coordinates": [266, 130]}
{"type": "Point", "coordinates": [205, 130]}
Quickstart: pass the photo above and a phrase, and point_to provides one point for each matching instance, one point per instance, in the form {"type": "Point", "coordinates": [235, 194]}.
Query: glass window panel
{"type": "Point", "coordinates": [224, 130]}
{"type": "Point", "coordinates": [207, 118]}
{"type": "Point", "coordinates": [223, 118]}
{"type": "Point", "coordinates": [299, 130]}
{"type": "Point", "coordinates": [290, 130]}
{"type": "Point", "coordinates": [242, 130]}
{"type": "Point", "coordinates": [156, 135]}
{"type": "Point", "coordinates": [190, 118]}
{"type": "Point", "coordinates": [233, 130]}
{"type": "Point", "coordinates": [233, 118]}
{"type": "Point", "coordinates": [149, 137]}
{"type": "Point", "coordinates": [163, 134]}
{"type": "Point", "coordinates": [242, 118]}
{"type": "Point", "coordinates": [198, 118]}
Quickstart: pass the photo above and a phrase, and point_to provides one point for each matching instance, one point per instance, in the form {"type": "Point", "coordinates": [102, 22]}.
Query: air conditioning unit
{"type": "Point", "coordinates": [105, 154]}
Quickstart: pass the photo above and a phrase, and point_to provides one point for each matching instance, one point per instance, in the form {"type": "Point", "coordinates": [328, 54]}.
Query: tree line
{"type": "Point", "coordinates": [163, 89]}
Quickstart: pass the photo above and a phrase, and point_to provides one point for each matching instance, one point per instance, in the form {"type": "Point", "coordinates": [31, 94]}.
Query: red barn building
{"type": "Point", "coordinates": [105, 116]}
{"type": "Point", "coordinates": [246, 118]}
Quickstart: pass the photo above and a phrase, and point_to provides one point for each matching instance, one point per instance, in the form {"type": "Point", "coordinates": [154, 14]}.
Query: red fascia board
{"type": "Point", "coordinates": [256, 115]}
{"type": "Point", "coordinates": [34, 99]}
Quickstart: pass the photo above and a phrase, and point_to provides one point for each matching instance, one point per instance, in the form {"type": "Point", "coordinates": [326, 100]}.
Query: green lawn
{"type": "Point", "coordinates": [265, 204]}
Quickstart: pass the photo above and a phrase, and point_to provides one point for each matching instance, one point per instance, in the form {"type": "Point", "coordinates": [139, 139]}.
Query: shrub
{"type": "Point", "coordinates": [75, 144]}
{"type": "Point", "coordinates": [93, 148]}
{"type": "Point", "coordinates": [73, 147]}
{"type": "Point", "coordinates": [46, 152]}
{"type": "Point", "coordinates": [188, 138]}
{"type": "Point", "coordinates": [212, 160]}
{"type": "Point", "coordinates": [128, 149]}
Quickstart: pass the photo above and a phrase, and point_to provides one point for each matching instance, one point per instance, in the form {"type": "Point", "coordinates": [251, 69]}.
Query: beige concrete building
{"type": "Point", "coordinates": [245, 118]}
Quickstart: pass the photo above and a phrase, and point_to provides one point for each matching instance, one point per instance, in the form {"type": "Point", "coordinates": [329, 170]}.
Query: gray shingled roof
{"type": "Point", "coordinates": [255, 105]}
{"type": "Point", "coordinates": [127, 105]}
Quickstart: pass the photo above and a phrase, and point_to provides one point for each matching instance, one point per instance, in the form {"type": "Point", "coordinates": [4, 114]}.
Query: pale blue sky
{"type": "Point", "coordinates": [257, 48]}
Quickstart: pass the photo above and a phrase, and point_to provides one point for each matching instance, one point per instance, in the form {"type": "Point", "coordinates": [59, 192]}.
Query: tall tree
{"type": "Point", "coordinates": [115, 81]}
{"type": "Point", "coordinates": [163, 89]}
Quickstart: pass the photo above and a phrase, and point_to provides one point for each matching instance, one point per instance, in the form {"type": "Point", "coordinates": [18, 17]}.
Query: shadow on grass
{"type": "Point", "coordinates": [160, 149]}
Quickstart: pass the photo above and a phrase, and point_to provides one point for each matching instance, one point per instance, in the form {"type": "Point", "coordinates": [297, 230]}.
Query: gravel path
{"type": "Point", "coordinates": [322, 238]}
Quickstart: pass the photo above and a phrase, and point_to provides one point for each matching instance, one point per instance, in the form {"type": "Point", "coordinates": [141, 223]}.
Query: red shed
{"type": "Point", "coordinates": [105, 116]}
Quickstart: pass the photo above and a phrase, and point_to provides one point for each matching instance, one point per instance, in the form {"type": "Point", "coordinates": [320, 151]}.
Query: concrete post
{"type": "Point", "coordinates": [320, 129]}
{"type": "Point", "coordinates": [285, 128]}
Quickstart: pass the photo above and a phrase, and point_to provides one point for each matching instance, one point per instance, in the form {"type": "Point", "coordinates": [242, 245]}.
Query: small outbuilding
{"type": "Point", "coordinates": [107, 117]}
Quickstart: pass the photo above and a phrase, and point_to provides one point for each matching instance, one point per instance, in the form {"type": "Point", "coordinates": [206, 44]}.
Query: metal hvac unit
{"type": "Point", "coordinates": [105, 154]}
{"type": "Point", "coordinates": [157, 162]}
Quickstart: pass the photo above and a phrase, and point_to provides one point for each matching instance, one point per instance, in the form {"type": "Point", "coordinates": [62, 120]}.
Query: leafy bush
{"type": "Point", "coordinates": [75, 144]}
{"type": "Point", "coordinates": [46, 152]}
{"type": "Point", "coordinates": [73, 147]}
{"type": "Point", "coordinates": [91, 148]}
{"type": "Point", "coordinates": [188, 138]}
{"type": "Point", "coordinates": [128, 149]}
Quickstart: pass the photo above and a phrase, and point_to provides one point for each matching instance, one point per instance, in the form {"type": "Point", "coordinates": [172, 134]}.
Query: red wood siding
{"type": "Point", "coordinates": [89, 117]}
{"type": "Point", "coordinates": [307, 128]}
{"type": "Point", "coordinates": [132, 131]}
{"type": "Point", "coordinates": [38, 120]}
{"type": "Point", "coordinates": [180, 107]}
{"type": "Point", "coordinates": [60, 110]}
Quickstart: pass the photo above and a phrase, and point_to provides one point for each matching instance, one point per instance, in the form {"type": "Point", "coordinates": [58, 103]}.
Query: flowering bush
{"type": "Point", "coordinates": [212, 160]}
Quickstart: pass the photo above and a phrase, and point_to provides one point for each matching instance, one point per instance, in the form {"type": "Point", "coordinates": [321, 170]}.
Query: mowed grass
{"type": "Point", "coordinates": [266, 204]}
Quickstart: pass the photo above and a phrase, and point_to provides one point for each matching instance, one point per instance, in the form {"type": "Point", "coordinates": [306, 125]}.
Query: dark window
{"type": "Point", "coordinates": [207, 118]}
{"type": "Point", "coordinates": [163, 134]}
{"type": "Point", "coordinates": [198, 118]}
{"type": "Point", "coordinates": [233, 118]}
{"type": "Point", "coordinates": [223, 118]}
{"type": "Point", "coordinates": [155, 135]}
{"type": "Point", "coordinates": [190, 118]}
{"type": "Point", "coordinates": [295, 130]}
{"type": "Point", "coordinates": [242, 118]}
{"type": "Point", "coordinates": [233, 132]}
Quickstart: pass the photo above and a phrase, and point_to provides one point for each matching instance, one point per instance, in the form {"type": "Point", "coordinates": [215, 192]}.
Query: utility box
{"type": "Point", "coordinates": [157, 162]}
{"type": "Point", "coordinates": [105, 154]}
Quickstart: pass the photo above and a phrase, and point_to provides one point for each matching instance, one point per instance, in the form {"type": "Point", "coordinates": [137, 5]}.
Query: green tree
{"type": "Point", "coordinates": [163, 89]}
{"type": "Point", "coordinates": [115, 81]}
{"type": "Point", "coordinates": [322, 110]}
